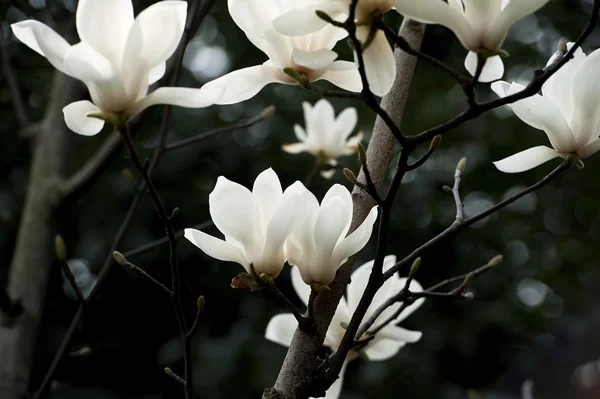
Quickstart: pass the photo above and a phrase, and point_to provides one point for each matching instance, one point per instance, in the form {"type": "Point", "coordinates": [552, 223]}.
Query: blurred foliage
{"type": "Point", "coordinates": [535, 316]}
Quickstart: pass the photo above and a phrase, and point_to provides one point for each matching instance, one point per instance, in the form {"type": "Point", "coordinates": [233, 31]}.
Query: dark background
{"type": "Point", "coordinates": [536, 316]}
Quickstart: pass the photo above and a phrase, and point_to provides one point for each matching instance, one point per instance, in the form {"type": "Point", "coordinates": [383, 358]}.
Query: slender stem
{"type": "Point", "coordinates": [71, 279]}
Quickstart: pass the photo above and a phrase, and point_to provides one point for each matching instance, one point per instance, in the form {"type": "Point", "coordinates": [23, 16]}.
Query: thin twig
{"type": "Point", "coordinates": [71, 279]}
{"type": "Point", "coordinates": [120, 258]}
{"type": "Point", "coordinates": [460, 168]}
{"type": "Point", "coordinates": [12, 82]}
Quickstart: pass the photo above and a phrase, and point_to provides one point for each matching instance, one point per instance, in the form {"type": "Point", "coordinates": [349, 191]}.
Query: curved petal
{"type": "Point", "coordinates": [342, 76]}
{"type": "Point", "coordinates": [84, 63]}
{"type": "Point", "coordinates": [295, 148]}
{"type": "Point", "coordinates": [281, 329]}
{"type": "Point", "coordinates": [439, 12]}
{"type": "Point", "coordinates": [43, 40]}
{"type": "Point", "coordinates": [179, 96]}
{"type": "Point", "coordinates": [589, 149]}
{"type": "Point", "coordinates": [304, 20]}
{"type": "Point", "coordinates": [104, 25]}
{"type": "Point", "coordinates": [414, 287]}
{"type": "Point", "coordinates": [337, 190]}
{"type": "Point", "coordinates": [380, 64]}
{"type": "Point", "coordinates": [400, 334]}
{"type": "Point", "coordinates": [299, 131]}
{"type": "Point", "coordinates": [514, 11]}
{"type": "Point", "coordinates": [216, 248]}
{"type": "Point", "coordinates": [526, 160]}
{"type": "Point", "coordinates": [245, 83]}
{"type": "Point", "coordinates": [357, 239]}
{"type": "Point", "coordinates": [493, 69]}
{"type": "Point", "coordinates": [383, 349]}
{"type": "Point", "coordinates": [586, 101]}
{"type": "Point", "coordinates": [301, 288]}
{"type": "Point", "coordinates": [153, 38]}
{"type": "Point", "coordinates": [157, 73]}
{"type": "Point", "coordinates": [345, 123]}
{"type": "Point", "coordinates": [268, 192]}
{"type": "Point", "coordinates": [314, 60]}
{"type": "Point", "coordinates": [541, 114]}
{"type": "Point", "coordinates": [76, 118]}
{"type": "Point", "coordinates": [235, 213]}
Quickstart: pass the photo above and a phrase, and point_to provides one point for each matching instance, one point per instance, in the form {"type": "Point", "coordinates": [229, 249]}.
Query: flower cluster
{"type": "Point", "coordinates": [389, 338]}
{"type": "Point", "coordinates": [266, 226]}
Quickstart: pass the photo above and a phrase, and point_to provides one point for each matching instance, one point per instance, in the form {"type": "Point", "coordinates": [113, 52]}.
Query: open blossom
{"type": "Point", "coordinates": [117, 58]}
{"type": "Point", "coordinates": [319, 245]}
{"type": "Point", "coordinates": [326, 137]}
{"type": "Point", "coordinates": [481, 26]}
{"type": "Point", "coordinates": [309, 56]}
{"type": "Point", "coordinates": [255, 224]}
{"type": "Point", "coordinates": [568, 112]}
{"type": "Point", "coordinates": [387, 341]}
{"type": "Point", "coordinates": [378, 56]}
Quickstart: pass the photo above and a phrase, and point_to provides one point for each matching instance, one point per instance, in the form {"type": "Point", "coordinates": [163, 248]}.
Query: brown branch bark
{"type": "Point", "coordinates": [34, 256]}
{"type": "Point", "coordinates": [301, 360]}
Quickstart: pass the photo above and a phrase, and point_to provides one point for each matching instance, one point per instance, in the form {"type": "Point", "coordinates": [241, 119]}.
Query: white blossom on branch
{"type": "Point", "coordinates": [325, 136]}
{"type": "Point", "coordinates": [378, 55]}
{"type": "Point", "coordinates": [568, 111]}
{"type": "Point", "coordinates": [481, 26]}
{"type": "Point", "coordinates": [310, 56]}
{"type": "Point", "coordinates": [118, 58]}
{"type": "Point", "coordinates": [255, 223]}
{"type": "Point", "coordinates": [387, 341]}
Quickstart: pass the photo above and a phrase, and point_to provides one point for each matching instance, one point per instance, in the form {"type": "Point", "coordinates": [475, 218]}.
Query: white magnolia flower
{"type": "Point", "coordinates": [117, 58]}
{"type": "Point", "coordinates": [326, 137]}
{"type": "Point", "coordinates": [568, 112]}
{"type": "Point", "coordinates": [255, 224]}
{"type": "Point", "coordinates": [378, 56]}
{"type": "Point", "coordinates": [480, 25]}
{"type": "Point", "coordinates": [309, 55]}
{"type": "Point", "coordinates": [387, 341]}
{"type": "Point", "coordinates": [319, 245]}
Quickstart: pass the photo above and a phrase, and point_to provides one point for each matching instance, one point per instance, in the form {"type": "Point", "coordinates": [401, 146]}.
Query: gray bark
{"type": "Point", "coordinates": [300, 361]}
{"type": "Point", "coordinates": [34, 255]}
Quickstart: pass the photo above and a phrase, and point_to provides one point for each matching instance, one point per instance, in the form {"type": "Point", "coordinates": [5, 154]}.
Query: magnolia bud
{"type": "Point", "coordinates": [495, 261]}
{"type": "Point", "coordinates": [60, 248]}
{"type": "Point", "coordinates": [435, 143]}
{"type": "Point", "coordinates": [462, 164]}
{"type": "Point", "coordinates": [119, 258]}
{"type": "Point", "coordinates": [350, 175]}
{"type": "Point", "coordinates": [362, 154]}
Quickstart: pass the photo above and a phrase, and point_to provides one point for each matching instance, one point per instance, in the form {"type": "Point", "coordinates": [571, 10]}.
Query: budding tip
{"type": "Point", "coordinates": [468, 295]}
{"type": "Point", "coordinates": [350, 175]}
{"type": "Point", "coordinates": [119, 258]}
{"type": "Point", "coordinates": [200, 303]}
{"type": "Point", "coordinates": [268, 112]}
{"type": "Point", "coordinates": [562, 45]}
{"type": "Point", "coordinates": [435, 143]}
{"type": "Point", "coordinates": [462, 164]}
{"type": "Point", "coordinates": [60, 248]}
{"type": "Point", "coordinates": [362, 154]}
{"type": "Point", "coordinates": [169, 372]}
{"type": "Point", "coordinates": [496, 260]}
{"type": "Point", "coordinates": [415, 266]}
{"type": "Point", "coordinates": [447, 189]}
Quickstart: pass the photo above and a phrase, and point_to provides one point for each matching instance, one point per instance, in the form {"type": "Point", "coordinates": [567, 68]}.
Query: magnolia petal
{"type": "Point", "coordinates": [157, 73]}
{"type": "Point", "coordinates": [558, 89]}
{"type": "Point", "coordinates": [342, 76]}
{"type": "Point", "coordinates": [589, 149]}
{"type": "Point", "coordinates": [303, 21]}
{"type": "Point", "coordinates": [383, 349]}
{"type": "Point", "coordinates": [414, 287]}
{"type": "Point", "coordinates": [294, 148]}
{"type": "Point", "coordinates": [439, 12]}
{"type": "Point", "coordinates": [493, 69]}
{"type": "Point", "coordinates": [358, 284]}
{"type": "Point", "coordinates": [380, 64]}
{"type": "Point", "coordinates": [526, 160]}
{"type": "Point", "coordinates": [84, 63]}
{"type": "Point", "coordinates": [216, 248]}
{"type": "Point", "coordinates": [322, 114]}
{"type": "Point", "coordinates": [353, 142]}
{"type": "Point", "coordinates": [327, 174]}
{"type": "Point", "coordinates": [541, 114]}
{"type": "Point", "coordinates": [400, 334]}
{"type": "Point", "coordinates": [354, 242]}
{"type": "Point", "coordinates": [179, 96]}
{"type": "Point", "coordinates": [335, 389]}
{"type": "Point", "coordinates": [235, 213]}
{"type": "Point", "coordinates": [245, 83]}
{"type": "Point", "coordinates": [76, 118]}
{"type": "Point", "coordinates": [345, 123]}
{"type": "Point", "coordinates": [104, 25]}
{"type": "Point", "coordinates": [586, 101]}
{"type": "Point", "coordinates": [299, 131]}
{"type": "Point", "coordinates": [314, 60]}
{"type": "Point", "coordinates": [43, 40]}
{"type": "Point", "coordinates": [268, 192]}
{"type": "Point", "coordinates": [339, 191]}
{"type": "Point", "coordinates": [511, 13]}
{"type": "Point", "coordinates": [301, 288]}
{"type": "Point", "coordinates": [147, 46]}
{"type": "Point", "coordinates": [281, 329]}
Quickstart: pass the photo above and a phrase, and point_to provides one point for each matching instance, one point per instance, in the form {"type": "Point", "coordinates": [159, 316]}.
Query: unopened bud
{"type": "Point", "coordinates": [435, 143]}
{"type": "Point", "coordinates": [175, 212]}
{"type": "Point", "coordinates": [268, 112]}
{"type": "Point", "coordinates": [562, 46]}
{"type": "Point", "coordinates": [496, 260]}
{"type": "Point", "coordinates": [462, 164]}
{"type": "Point", "coordinates": [84, 351]}
{"type": "Point", "coordinates": [60, 248]}
{"type": "Point", "coordinates": [468, 295]}
{"type": "Point", "coordinates": [119, 258]}
{"type": "Point", "coordinates": [362, 154]}
{"type": "Point", "coordinates": [200, 303]}
{"type": "Point", "coordinates": [468, 279]}
{"type": "Point", "coordinates": [127, 174]}
{"type": "Point", "coordinates": [447, 189]}
{"type": "Point", "coordinates": [350, 175]}
{"type": "Point", "coordinates": [169, 372]}
{"type": "Point", "coordinates": [415, 267]}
